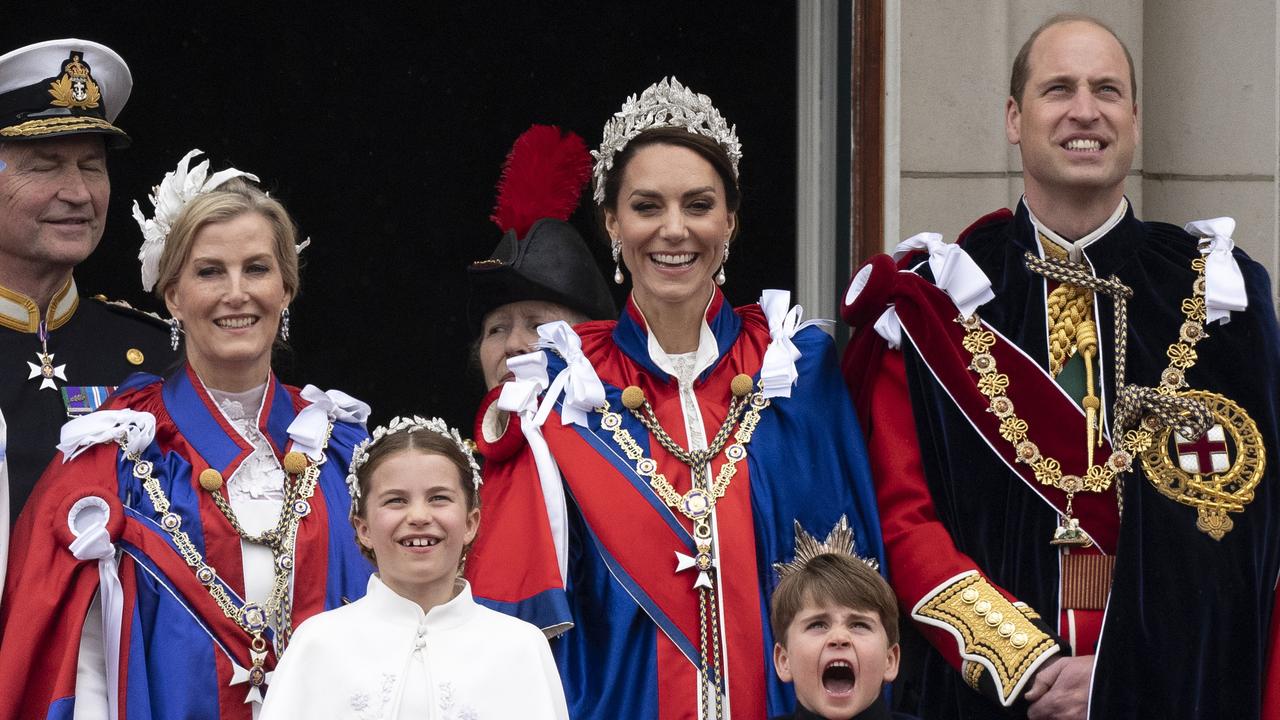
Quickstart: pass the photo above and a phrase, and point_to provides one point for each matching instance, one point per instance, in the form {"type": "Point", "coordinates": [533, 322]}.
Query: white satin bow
{"type": "Point", "coordinates": [87, 520]}
{"type": "Point", "coordinates": [954, 272]}
{"type": "Point", "coordinates": [1224, 291]}
{"type": "Point", "coordinates": [520, 395]}
{"type": "Point", "coordinates": [583, 391]}
{"type": "Point", "coordinates": [136, 429]}
{"type": "Point", "coordinates": [778, 370]}
{"type": "Point", "coordinates": [309, 427]}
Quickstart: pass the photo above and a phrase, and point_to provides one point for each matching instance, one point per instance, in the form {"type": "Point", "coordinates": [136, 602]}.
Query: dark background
{"type": "Point", "coordinates": [383, 130]}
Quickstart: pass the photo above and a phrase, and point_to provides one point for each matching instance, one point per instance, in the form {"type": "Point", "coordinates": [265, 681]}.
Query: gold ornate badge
{"type": "Point", "coordinates": [75, 88]}
{"type": "Point", "coordinates": [1217, 473]}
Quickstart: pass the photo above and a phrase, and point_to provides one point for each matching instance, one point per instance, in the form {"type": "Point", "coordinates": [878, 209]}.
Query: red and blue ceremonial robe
{"type": "Point", "coordinates": [177, 647]}
{"type": "Point", "coordinates": [633, 647]}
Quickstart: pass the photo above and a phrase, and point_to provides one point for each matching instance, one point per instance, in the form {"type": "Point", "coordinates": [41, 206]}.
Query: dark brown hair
{"type": "Point", "coordinates": [838, 579]}
{"type": "Point", "coordinates": [708, 149]}
{"type": "Point", "coordinates": [427, 442]}
{"type": "Point", "coordinates": [1022, 62]}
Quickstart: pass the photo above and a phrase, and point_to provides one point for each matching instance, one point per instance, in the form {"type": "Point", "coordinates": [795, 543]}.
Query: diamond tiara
{"type": "Point", "coordinates": [666, 103]}
{"type": "Point", "coordinates": [360, 455]}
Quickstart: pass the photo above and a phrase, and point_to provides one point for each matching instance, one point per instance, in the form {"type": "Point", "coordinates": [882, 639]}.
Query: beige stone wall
{"type": "Point", "coordinates": [1208, 106]}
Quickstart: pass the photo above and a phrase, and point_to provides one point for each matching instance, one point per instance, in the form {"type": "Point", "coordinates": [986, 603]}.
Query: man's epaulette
{"type": "Point", "coordinates": [123, 308]}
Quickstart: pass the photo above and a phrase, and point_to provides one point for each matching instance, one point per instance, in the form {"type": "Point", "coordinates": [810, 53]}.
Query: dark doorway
{"type": "Point", "coordinates": [383, 130]}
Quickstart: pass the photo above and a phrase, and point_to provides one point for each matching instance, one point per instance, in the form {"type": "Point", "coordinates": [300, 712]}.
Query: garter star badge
{"type": "Point", "coordinates": [75, 88]}
{"type": "Point", "coordinates": [1217, 473]}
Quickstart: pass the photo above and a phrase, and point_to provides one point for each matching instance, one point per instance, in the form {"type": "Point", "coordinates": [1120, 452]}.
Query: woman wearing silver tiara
{"type": "Point", "coordinates": [691, 438]}
{"type": "Point", "coordinates": [191, 524]}
{"type": "Point", "coordinates": [417, 645]}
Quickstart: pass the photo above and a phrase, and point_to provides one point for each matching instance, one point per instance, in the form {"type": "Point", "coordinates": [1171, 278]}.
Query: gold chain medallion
{"type": "Point", "coordinates": [1215, 474]}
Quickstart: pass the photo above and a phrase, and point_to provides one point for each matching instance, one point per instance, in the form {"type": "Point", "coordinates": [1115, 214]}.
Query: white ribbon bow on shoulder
{"type": "Point", "coordinates": [778, 370]}
{"type": "Point", "coordinates": [136, 429]}
{"type": "Point", "coordinates": [954, 272]}
{"type": "Point", "coordinates": [1224, 291]}
{"type": "Point", "coordinates": [583, 391]}
{"type": "Point", "coordinates": [309, 427]}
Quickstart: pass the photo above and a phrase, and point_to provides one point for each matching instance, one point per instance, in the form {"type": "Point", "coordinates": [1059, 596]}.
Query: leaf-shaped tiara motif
{"type": "Point", "coordinates": [666, 103]}
{"type": "Point", "coordinates": [360, 455]}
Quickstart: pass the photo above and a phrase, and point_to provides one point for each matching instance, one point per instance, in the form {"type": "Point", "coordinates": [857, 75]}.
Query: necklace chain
{"type": "Point", "coordinates": [281, 540]}
{"type": "Point", "coordinates": [697, 504]}
{"type": "Point", "coordinates": [1139, 411]}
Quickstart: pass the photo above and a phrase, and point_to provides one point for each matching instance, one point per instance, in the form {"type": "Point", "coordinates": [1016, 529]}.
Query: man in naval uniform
{"type": "Point", "coordinates": [60, 354]}
{"type": "Point", "coordinates": [1072, 423]}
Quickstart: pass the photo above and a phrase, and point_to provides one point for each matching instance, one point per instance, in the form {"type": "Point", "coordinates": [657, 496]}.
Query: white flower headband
{"type": "Point", "coordinates": [168, 198]}
{"type": "Point", "coordinates": [666, 103]}
{"type": "Point", "coordinates": [360, 455]}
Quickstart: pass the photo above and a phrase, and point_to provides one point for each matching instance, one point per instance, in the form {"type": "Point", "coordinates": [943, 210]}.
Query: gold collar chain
{"type": "Point", "coordinates": [697, 503]}
{"type": "Point", "coordinates": [251, 617]}
{"type": "Point", "coordinates": [1098, 477]}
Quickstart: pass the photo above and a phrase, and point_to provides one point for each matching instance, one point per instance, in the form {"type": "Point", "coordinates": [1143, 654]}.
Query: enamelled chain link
{"type": "Point", "coordinates": [299, 488]}
{"type": "Point", "coordinates": [698, 503]}
{"type": "Point", "coordinates": [1147, 408]}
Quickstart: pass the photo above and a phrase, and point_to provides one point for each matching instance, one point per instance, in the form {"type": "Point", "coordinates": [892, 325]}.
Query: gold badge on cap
{"type": "Point", "coordinates": [134, 356]}
{"type": "Point", "coordinates": [76, 87]}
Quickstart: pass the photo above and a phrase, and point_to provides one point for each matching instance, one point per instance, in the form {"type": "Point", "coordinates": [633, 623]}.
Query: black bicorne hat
{"type": "Point", "coordinates": [540, 255]}
{"type": "Point", "coordinates": [63, 87]}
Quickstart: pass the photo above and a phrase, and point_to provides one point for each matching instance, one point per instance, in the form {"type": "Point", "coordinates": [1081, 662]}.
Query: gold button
{"type": "Point", "coordinates": [210, 479]}
{"type": "Point", "coordinates": [969, 596]}
{"type": "Point", "coordinates": [1006, 629]}
{"type": "Point", "coordinates": [995, 618]}
{"type": "Point", "coordinates": [982, 607]}
{"type": "Point", "coordinates": [1019, 640]}
{"type": "Point", "coordinates": [134, 356]}
{"type": "Point", "coordinates": [294, 462]}
{"type": "Point", "coordinates": [632, 397]}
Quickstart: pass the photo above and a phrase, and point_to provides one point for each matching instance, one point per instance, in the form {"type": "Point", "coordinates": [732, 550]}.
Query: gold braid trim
{"type": "Point", "coordinates": [991, 628]}
{"type": "Point", "coordinates": [1068, 306]}
{"type": "Point", "coordinates": [59, 124]}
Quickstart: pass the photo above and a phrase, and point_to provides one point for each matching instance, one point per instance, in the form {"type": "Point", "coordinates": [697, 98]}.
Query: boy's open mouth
{"type": "Point", "coordinates": [838, 677]}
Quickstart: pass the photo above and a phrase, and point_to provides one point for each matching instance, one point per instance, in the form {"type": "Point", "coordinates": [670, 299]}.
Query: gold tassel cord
{"type": "Point", "coordinates": [1087, 343]}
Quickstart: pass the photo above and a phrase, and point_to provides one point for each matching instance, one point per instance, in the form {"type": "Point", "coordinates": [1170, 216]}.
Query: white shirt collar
{"type": "Point", "coordinates": [708, 350]}
{"type": "Point", "coordinates": [389, 604]}
{"type": "Point", "coordinates": [1075, 250]}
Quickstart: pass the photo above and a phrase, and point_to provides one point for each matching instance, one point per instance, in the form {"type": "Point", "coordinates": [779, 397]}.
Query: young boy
{"type": "Point", "coordinates": [836, 624]}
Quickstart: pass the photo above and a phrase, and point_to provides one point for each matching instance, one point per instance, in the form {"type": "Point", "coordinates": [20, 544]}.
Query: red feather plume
{"type": "Point", "coordinates": [542, 178]}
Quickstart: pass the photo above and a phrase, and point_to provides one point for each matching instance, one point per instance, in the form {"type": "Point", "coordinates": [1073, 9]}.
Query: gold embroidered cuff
{"type": "Point", "coordinates": [994, 634]}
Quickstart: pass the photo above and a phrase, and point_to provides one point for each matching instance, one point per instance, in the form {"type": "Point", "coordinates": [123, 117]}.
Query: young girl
{"type": "Point", "coordinates": [417, 645]}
